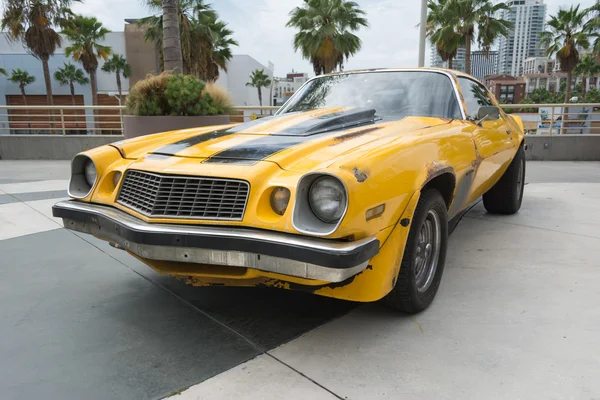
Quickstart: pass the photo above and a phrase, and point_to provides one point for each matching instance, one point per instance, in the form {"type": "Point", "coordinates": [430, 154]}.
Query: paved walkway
{"type": "Point", "coordinates": [516, 317]}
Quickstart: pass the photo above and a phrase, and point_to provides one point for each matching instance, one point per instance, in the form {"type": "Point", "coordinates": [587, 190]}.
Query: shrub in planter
{"type": "Point", "coordinates": [168, 102]}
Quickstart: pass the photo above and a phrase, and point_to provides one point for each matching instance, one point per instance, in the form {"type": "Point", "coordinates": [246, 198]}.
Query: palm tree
{"type": "Point", "coordinates": [118, 65]}
{"type": "Point", "coordinates": [593, 26]}
{"type": "Point", "coordinates": [31, 22]}
{"type": "Point", "coordinates": [2, 71]}
{"type": "Point", "coordinates": [567, 34]}
{"type": "Point", "coordinates": [205, 41]}
{"type": "Point", "coordinates": [325, 32]}
{"type": "Point", "coordinates": [85, 34]}
{"type": "Point", "coordinates": [588, 67]}
{"type": "Point", "coordinates": [69, 75]}
{"type": "Point", "coordinates": [22, 78]}
{"type": "Point", "coordinates": [171, 45]}
{"type": "Point", "coordinates": [470, 16]}
{"type": "Point", "coordinates": [441, 32]}
{"type": "Point", "coordinates": [259, 80]}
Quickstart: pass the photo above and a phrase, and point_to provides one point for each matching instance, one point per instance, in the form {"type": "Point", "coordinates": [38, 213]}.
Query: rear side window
{"type": "Point", "coordinates": [475, 94]}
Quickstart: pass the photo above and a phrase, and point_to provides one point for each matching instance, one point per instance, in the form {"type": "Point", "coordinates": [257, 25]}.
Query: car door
{"type": "Point", "coordinates": [493, 139]}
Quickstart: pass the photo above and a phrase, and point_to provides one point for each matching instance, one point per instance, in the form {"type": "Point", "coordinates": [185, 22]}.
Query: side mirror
{"type": "Point", "coordinates": [487, 112]}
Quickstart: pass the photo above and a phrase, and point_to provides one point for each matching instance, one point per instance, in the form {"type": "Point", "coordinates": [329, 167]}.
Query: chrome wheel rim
{"type": "Point", "coordinates": [520, 179]}
{"type": "Point", "coordinates": [428, 251]}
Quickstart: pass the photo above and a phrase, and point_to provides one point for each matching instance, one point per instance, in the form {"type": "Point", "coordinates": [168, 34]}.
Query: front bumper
{"type": "Point", "coordinates": [299, 256]}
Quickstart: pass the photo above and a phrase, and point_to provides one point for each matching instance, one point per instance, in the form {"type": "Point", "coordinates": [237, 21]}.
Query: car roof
{"type": "Point", "coordinates": [425, 69]}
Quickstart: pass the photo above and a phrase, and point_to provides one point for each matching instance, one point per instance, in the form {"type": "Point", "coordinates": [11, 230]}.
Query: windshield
{"type": "Point", "coordinates": [393, 95]}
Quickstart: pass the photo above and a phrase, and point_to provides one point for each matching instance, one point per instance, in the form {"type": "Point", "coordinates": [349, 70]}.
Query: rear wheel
{"type": "Point", "coordinates": [506, 196]}
{"type": "Point", "coordinates": [424, 256]}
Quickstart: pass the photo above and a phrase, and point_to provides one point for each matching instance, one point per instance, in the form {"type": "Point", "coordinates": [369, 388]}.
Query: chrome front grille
{"type": "Point", "coordinates": [169, 196]}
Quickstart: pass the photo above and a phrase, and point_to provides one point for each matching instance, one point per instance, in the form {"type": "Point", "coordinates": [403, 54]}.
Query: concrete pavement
{"type": "Point", "coordinates": [516, 315]}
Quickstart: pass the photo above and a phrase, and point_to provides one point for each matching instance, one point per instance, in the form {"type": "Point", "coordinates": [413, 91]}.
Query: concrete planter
{"type": "Point", "coordinates": [134, 126]}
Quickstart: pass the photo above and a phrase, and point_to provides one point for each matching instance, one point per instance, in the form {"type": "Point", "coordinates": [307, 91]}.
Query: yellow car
{"type": "Point", "coordinates": [347, 192]}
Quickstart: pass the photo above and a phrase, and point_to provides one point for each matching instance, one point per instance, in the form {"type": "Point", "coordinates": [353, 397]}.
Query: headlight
{"type": "Point", "coordinates": [90, 172]}
{"type": "Point", "coordinates": [327, 199]}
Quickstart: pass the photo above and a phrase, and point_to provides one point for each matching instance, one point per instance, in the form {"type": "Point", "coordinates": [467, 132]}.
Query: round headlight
{"type": "Point", "coordinates": [327, 199]}
{"type": "Point", "coordinates": [90, 173]}
{"type": "Point", "coordinates": [280, 198]}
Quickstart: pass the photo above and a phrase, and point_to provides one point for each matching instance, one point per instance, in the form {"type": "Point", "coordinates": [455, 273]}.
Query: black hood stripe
{"type": "Point", "coordinates": [174, 148]}
{"type": "Point", "coordinates": [253, 151]}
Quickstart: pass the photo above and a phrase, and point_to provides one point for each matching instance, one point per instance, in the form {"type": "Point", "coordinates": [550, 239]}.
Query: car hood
{"type": "Point", "coordinates": [294, 141]}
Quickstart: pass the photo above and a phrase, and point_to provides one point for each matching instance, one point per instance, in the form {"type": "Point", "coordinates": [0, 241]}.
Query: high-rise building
{"type": "Point", "coordinates": [458, 63]}
{"type": "Point", "coordinates": [483, 65]}
{"type": "Point", "coordinates": [523, 41]}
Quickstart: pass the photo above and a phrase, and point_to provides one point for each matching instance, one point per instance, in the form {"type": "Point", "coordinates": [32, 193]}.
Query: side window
{"type": "Point", "coordinates": [475, 94]}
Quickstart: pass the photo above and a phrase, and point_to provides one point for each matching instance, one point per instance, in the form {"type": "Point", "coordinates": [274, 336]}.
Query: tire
{"type": "Point", "coordinates": [413, 293]}
{"type": "Point", "coordinates": [506, 196]}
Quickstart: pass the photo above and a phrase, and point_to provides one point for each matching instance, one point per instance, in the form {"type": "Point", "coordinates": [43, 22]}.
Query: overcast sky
{"type": "Point", "coordinates": [259, 26]}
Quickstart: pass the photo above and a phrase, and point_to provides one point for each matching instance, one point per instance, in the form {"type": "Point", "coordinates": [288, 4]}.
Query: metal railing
{"type": "Point", "coordinates": [557, 119]}
{"type": "Point", "coordinates": [543, 119]}
{"type": "Point", "coordinates": [84, 120]}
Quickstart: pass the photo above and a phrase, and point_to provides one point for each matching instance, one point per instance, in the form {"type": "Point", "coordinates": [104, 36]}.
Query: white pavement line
{"type": "Point", "coordinates": [37, 186]}
{"type": "Point", "coordinates": [44, 207]}
{"type": "Point", "coordinates": [261, 378]}
{"type": "Point", "coordinates": [19, 219]}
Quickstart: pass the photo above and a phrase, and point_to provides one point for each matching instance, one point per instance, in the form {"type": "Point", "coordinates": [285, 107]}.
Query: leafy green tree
{"type": "Point", "coordinates": [592, 95]}
{"type": "Point", "coordinates": [205, 40]}
{"type": "Point", "coordinates": [70, 75]}
{"type": "Point", "coordinates": [3, 71]}
{"type": "Point", "coordinates": [325, 32]}
{"type": "Point", "coordinates": [23, 79]}
{"type": "Point", "coordinates": [119, 66]}
{"type": "Point", "coordinates": [568, 32]}
{"type": "Point", "coordinates": [259, 80]}
{"type": "Point", "coordinates": [441, 32]}
{"type": "Point", "coordinates": [85, 35]}
{"type": "Point", "coordinates": [32, 22]}
{"type": "Point", "coordinates": [475, 19]}
{"type": "Point", "coordinates": [588, 67]}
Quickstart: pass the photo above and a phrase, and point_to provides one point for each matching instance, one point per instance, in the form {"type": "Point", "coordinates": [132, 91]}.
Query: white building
{"type": "Point", "coordinates": [483, 64]}
{"type": "Point", "coordinates": [283, 88]}
{"type": "Point", "coordinates": [458, 62]}
{"type": "Point", "coordinates": [538, 65]}
{"type": "Point", "coordinates": [523, 41]}
{"type": "Point", "coordinates": [239, 69]}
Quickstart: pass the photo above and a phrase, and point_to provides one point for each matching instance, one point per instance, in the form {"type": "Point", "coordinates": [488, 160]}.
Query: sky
{"type": "Point", "coordinates": [392, 39]}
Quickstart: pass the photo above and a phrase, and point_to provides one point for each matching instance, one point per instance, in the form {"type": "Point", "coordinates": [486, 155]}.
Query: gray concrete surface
{"type": "Point", "coordinates": [516, 315]}
{"type": "Point", "coordinates": [50, 147]}
{"type": "Point", "coordinates": [563, 147]}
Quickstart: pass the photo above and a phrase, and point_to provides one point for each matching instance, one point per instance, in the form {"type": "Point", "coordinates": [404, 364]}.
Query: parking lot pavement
{"type": "Point", "coordinates": [515, 317]}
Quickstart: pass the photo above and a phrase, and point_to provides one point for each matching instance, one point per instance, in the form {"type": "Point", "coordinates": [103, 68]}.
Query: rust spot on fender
{"type": "Point", "coordinates": [360, 176]}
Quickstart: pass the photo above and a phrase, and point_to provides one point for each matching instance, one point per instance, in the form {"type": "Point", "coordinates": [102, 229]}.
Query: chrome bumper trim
{"type": "Point", "coordinates": [287, 254]}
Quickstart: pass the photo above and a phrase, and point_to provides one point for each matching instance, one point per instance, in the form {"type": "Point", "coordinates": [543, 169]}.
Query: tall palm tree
{"type": "Point", "coordinates": [566, 35]}
{"type": "Point", "coordinates": [22, 78]}
{"type": "Point", "coordinates": [326, 29]}
{"type": "Point", "coordinates": [259, 80]}
{"type": "Point", "coordinates": [205, 40]}
{"type": "Point", "coordinates": [119, 66]}
{"type": "Point", "coordinates": [85, 34]}
{"type": "Point", "coordinates": [441, 31]}
{"type": "Point", "coordinates": [593, 26]}
{"type": "Point", "coordinates": [171, 45]}
{"type": "Point", "coordinates": [471, 16]}
{"type": "Point", "coordinates": [31, 22]}
{"type": "Point", "coordinates": [588, 67]}
{"type": "Point", "coordinates": [70, 75]}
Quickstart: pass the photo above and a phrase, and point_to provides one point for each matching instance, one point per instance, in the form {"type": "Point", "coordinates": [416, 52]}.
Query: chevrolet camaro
{"type": "Point", "coordinates": [348, 191]}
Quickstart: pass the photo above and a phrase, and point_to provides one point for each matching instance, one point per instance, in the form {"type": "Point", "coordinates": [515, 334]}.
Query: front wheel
{"type": "Point", "coordinates": [506, 196]}
{"type": "Point", "coordinates": [424, 256]}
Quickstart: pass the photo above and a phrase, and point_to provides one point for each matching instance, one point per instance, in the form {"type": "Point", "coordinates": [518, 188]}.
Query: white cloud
{"type": "Point", "coordinates": [259, 26]}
